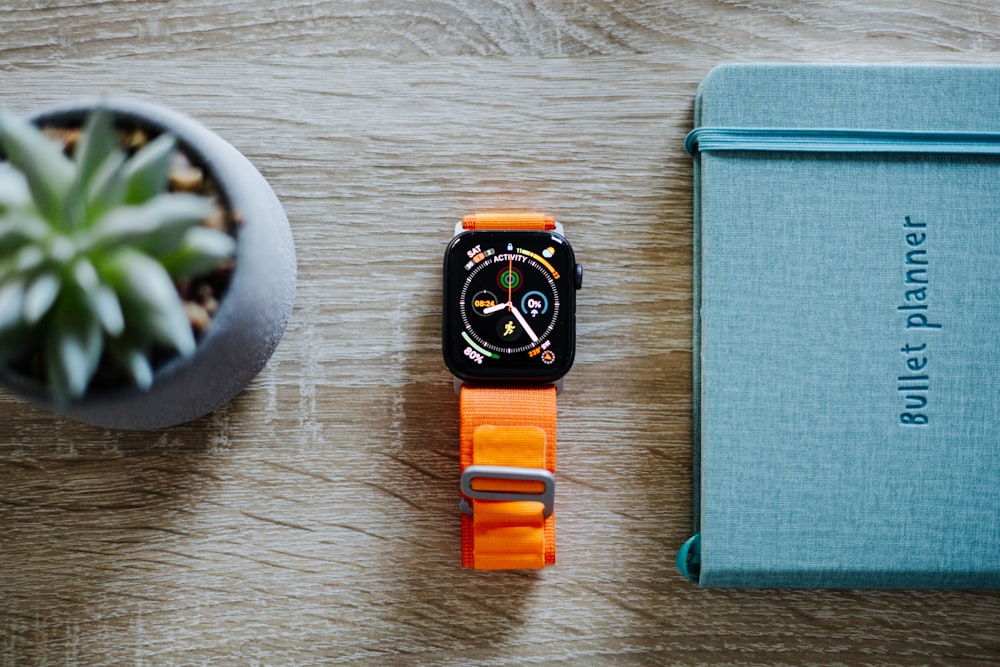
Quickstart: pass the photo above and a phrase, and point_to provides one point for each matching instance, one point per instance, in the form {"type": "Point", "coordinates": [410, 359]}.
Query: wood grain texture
{"type": "Point", "coordinates": [313, 520]}
{"type": "Point", "coordinates": [54, 31]}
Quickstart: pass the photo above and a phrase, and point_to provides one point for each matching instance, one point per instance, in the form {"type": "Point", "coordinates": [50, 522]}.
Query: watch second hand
{"type": "Point", "coordinates": [510, 282]}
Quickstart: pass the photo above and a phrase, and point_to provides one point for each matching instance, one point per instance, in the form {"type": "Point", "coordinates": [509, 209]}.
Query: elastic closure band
{"type": "Point", "coordinates": [689, 558]}
{"type": "Point", "coordinates": [803, 140]}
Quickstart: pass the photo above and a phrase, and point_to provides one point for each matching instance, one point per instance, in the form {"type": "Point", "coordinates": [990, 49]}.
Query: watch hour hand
{"type": "Point", "coordinates": [496, 308]}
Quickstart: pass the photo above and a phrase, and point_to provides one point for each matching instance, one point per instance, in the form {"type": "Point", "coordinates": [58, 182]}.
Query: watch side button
{"type": "Point", "coordinates": [578, 276]}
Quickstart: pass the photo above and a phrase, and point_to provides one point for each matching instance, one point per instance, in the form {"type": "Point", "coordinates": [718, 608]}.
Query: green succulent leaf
{"type": "Point", "coordinates": [49, 173]}
{"type": "Point", "coordinates": [97, 143]}
{"type": "Point", "coordinates": [40, 295]}
{"type": "Point", "coordinates": [150, 301]}
{"type": "Point", "coordinates": [18, 229]}
{"type": "Point", "coordinates": [85, 276]}
{"type": "Point", "coordinates": [200, 250]}
{"type": "Point", "coordinates": [148, 172]}
{"type": "Point", "coordinates": [100, 299]}
{"type": "Point", "coordinates": [156, 227]}
{"type": "Point", "coordinates": [134, 359]}
{"type": "Point", "coordinates": [97, 147]}
{"type": "Point", "coordinates": [107, 188]}
{"type": "Point", "coordinates": [14, 192]}
{"type": "Point", "coordinates": [73, 349]}
{"type": "Point", "coordinates": [29, 259]}
{"type": "Point", "coordinates": [105, 306]}
{"type": "Point", "coordinates": [11, 304]}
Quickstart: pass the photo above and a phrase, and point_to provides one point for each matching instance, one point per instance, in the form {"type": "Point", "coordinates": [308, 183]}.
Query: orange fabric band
{"type": "Point", "coordinates": [501, 220]}
{"type": "Point", "coordinates": [513, 428]}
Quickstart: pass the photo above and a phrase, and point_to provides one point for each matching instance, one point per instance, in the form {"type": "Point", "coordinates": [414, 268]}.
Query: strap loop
{"type": "Point", "coordinates": [511, 220]}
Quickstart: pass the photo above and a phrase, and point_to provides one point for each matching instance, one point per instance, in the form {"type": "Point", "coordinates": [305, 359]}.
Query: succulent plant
{"type": "Point", "coordinates": [92, 247]}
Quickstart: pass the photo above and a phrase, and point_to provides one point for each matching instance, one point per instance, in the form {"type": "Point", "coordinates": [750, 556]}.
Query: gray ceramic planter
{"type": "Point", "coordinates": [253, 312]}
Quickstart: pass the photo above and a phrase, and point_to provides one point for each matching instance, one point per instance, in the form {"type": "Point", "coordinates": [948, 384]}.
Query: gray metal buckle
{"type": "Point", "coordinates": [546, 497]}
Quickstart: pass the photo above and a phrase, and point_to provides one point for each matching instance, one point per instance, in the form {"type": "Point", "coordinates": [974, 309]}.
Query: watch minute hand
{"type": "Point", "coordinates": [523, 323]}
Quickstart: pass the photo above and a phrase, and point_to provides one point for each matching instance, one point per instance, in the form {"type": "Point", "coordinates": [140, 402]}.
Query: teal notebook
{"type": "Point", "coordinates": [847, 314]}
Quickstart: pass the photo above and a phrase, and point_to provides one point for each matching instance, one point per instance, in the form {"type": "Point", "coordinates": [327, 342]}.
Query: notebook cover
{"type": "Point", "coordinates": [847, 308]}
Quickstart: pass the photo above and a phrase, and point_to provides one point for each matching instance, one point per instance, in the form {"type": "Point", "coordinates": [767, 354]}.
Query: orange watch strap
{"type": "Point", "coordinates": [508, 431]}
{"type": "Point", "coordinates": [508, 447]}
{"type": "Point", "coordinates": [511, 220]}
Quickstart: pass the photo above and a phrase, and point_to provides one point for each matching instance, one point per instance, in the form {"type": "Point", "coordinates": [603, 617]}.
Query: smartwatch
{"type": "Point", "coordinates": [509, 337]}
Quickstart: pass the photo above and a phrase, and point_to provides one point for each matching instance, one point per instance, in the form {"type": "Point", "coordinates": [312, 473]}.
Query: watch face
{"type": "Point", "coordinates": [509, 306]}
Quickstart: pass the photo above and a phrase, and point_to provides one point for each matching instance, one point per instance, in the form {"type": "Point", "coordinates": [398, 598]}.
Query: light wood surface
{"type": "Point", "coordinates": [314, 519]}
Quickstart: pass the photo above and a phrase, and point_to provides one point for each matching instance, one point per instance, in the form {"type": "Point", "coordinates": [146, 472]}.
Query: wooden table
{"type": "Point", "coordinates": [314, 519]}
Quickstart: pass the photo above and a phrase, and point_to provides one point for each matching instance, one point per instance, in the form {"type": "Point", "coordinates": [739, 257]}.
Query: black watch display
{"type": "Point", "coordinates": [510, 306]}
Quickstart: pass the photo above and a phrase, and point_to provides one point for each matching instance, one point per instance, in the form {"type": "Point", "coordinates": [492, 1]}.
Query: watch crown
{"type": "Point", "coordinates": [578, 276]}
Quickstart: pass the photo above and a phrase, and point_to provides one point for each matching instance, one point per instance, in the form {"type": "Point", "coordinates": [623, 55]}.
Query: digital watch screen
{"type": "Point", "coordinates": [509, 306]}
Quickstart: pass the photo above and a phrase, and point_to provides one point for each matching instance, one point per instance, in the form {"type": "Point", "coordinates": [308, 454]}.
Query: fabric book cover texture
{"type": "Point", "coordinates": [847, 311]}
